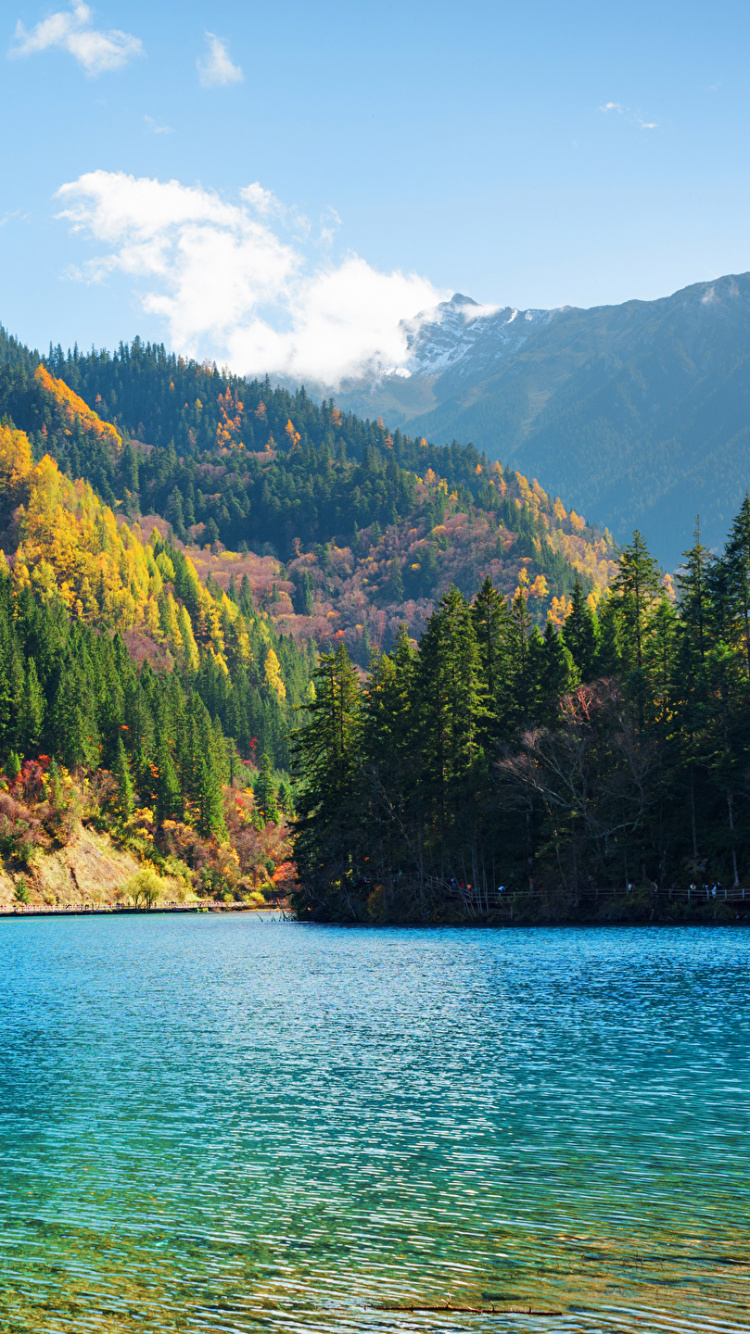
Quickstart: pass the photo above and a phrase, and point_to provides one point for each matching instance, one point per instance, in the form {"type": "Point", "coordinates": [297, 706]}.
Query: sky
{"type": "Point", "coordinates": [278, 187]}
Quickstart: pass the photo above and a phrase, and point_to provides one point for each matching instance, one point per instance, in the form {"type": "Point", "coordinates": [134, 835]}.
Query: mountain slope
{"type": "Point", "coordinates": [638, 414]}
{"type": "Point", "coordinates": [61, 546]}
{"type": "Point", "coordinates": [342, 529]}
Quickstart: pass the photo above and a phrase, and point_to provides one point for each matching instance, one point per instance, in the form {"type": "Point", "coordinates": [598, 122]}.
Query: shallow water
{"type": "Point", "coordinates": [228, 1124]}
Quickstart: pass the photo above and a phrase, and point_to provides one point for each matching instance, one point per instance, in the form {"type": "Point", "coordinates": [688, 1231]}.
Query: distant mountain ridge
{"type": "Point", "coordinates": [638, 413]}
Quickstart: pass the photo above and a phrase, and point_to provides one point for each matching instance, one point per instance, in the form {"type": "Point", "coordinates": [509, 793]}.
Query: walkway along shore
{"type": "Point", "coordinates": [111, 910]}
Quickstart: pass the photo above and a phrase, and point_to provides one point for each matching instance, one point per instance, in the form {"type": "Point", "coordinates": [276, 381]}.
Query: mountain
{"type": "Point", "coordinates": [638, 414]}
{"type": "Point", "coordinates": [343, 530]}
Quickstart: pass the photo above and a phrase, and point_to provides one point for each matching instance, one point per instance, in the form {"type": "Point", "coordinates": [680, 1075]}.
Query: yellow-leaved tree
{"type": "Point", "coordinates": [72, 410]}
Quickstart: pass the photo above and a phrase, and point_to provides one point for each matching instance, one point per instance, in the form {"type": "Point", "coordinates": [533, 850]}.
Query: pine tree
{"type": "Point", "coordinates": [391, 803]}
{"type": "Point", "coordinates": [660, 661]}
{"type": "Point", "coordinates": [123, 779]}
{"type": "Point", "coordinates": [74, 721]}
{"type": "Point", "coordinates": [558, 674]}
{"type": "Point", "coordinates": [395, 587]}
{"type": "Point", "coordinates": [635, 594]}
{"type": "Point", "coordinates": [209, 804]}
{"type": "Point", "coordinates": [696, 627]}
{"type": "Point", "coordinates": [451, 719]}
{"type": "Point", "coordinates": [168, 794]}
{"type": "Point", "coordinates": [265, 791]}
{"type": "Point", "coordinates": [524, 664]}
{"type": "Point", "coordinates": [735, 568]}
{"type": "Point", "coordinates": [32, 710]}
{"type": "Point", "coordinates": [608, 660]}
{"type": "Point", "coordinates": [285, 797]}
{"type": "Point", "coordinates": [327, 751]}
{"type": "Point", "coordinates": [129, 467]}
{"type": "Point", "coordinates": [635, 590]}
{"type": "Point", "coordinates": [581, 634]}
{"type": "Point", "coordinates": [492, 626]}
{"type": "Point", "coordinates": [694, 591]}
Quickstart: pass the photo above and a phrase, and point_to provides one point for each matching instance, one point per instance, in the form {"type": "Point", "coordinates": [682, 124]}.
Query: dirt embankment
{"type": "Point", "coordinates": [88, 872]}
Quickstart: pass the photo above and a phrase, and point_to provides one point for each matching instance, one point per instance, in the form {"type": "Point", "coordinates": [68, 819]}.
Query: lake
{"type": "Point", "coordinates": [228, 1123]}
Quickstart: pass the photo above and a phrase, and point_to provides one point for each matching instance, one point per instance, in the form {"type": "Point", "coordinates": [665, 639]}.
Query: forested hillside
{"type": "Point", "coordinates": [354, 529]}
{"type": "Point", "coordinates": [496, 767]}
{"type": "Point", "coordinates": [174, 543]}
{"type": "Point", "coordinates": [169, 700]}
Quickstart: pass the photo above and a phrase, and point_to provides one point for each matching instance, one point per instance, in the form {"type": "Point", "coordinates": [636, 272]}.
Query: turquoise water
{"type": "Point", "coordinates": [221, 1123]}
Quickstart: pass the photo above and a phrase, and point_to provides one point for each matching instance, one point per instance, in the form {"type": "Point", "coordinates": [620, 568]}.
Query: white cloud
{"type": "Point", "coordinates": [235, 281]}
{"type": "Point", "coordinates": [635, 116]}
{"type": "Point", "coordinates": [70, 30]}
{"type": "Point", "coordinates": [471, 313]}
{"type": "Point", "coordinates": [215, 69]}
{"type": "Point", "coordinates": [156, 128]}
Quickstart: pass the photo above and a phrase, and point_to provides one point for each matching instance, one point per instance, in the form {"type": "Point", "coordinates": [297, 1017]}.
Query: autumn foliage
{"type": "Point", "coordinates": [74, 411]}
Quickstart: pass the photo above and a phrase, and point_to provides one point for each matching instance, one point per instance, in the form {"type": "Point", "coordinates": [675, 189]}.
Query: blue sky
{"type": "Point", "coordinates": [534, 154]}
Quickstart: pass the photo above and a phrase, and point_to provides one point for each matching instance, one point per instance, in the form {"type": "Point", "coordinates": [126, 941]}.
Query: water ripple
{"type": "Point", "coordinates": [222, 1124]}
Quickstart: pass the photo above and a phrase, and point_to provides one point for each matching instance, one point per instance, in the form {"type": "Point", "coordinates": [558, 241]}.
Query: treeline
{"type": "Point", "coordinates": [611, 753]}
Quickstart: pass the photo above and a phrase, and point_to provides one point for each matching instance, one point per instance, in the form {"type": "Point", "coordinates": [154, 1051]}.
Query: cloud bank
{"type": "Point", "coordinates": [71, 30]}
{"type": "Point", "coordinates": [215, 69]}
{"type": "Point", "coordinates": [242, 281]}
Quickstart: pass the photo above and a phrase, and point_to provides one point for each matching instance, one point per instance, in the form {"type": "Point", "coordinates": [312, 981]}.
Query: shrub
{"type": "Point", "coordinates": [64, 805]}
{"type": "Point", "coordinates": [21, 891]}
{"type": "Point", "coordinates": [21, 834]}
{"type": "Point", "coordinates": [145, 888]}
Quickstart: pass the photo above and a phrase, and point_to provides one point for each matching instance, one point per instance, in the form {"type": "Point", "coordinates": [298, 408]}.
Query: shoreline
{"type": "Point", "coordinates": [281, 914]}
{"type": "Point", "coordinates": [103, 910]}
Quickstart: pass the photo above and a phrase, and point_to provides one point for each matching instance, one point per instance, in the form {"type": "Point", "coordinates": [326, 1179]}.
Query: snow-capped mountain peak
{"type": "Point", "coordinates": [463, 336]}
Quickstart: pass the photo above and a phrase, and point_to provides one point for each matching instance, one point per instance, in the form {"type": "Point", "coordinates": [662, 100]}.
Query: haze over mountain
{"type": "Point", "coordinates": [639, 414]}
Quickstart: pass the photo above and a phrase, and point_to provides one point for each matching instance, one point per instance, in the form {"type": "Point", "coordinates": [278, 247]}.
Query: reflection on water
{"type": "Point", "coordinates": [225, 1124]}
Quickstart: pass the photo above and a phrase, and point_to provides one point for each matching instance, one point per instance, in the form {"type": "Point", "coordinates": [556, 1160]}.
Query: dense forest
{"type": "Point", "coordinates": [496, 765]}
{"type": "Point", "coordinates": [366, 528]}
{"type": "Point", "coordinates": [87, 734]}
{"type": "Point", "coordinates": [134, 692]}
{"type": "Point", "coordinates": [178, 548]}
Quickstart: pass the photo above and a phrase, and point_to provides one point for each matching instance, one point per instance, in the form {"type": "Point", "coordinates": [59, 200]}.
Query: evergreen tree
{"type": "Point", "coordinates": [735, 569]}
{"type": "Point", "coordinates": [635, 593]}
{"type": "Point", "coordinates": [124, 781]}
{"type": "Point", "coordinates": [32, 710]}
{"type": "Point", "coordinates": [581, 634]}
{"type": "Point", "coordinates": [168, 794]}
{"type": "Point", "coordinates": [558, 673]}
{"type": "Point", "coordinates": [395, 587]}
{"type": "Point", "coordinates": [452, 712]}
{"type": "Point", "coordinates": [209, 802]}
{"type": "Point", "coordinates": [524, 664]}
{"type": "Point", "coordinates": [492, 627]}
{"type": "Point", "coordinates": [609, 649]}
{"type": "Point", "coordinates": [326, 751]}
{"type": "Point", "coordinates": [265, 791]}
